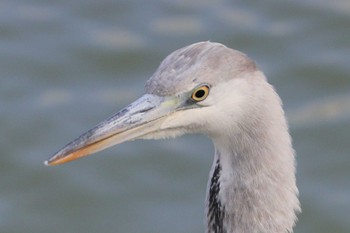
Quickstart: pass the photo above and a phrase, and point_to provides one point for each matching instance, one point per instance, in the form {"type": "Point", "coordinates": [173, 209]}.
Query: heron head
{"type": "Point", "coordinates": [196, 89]}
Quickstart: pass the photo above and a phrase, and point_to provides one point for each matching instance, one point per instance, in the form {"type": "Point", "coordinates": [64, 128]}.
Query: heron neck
{"type": "Point", "coordinates": [252, 186]}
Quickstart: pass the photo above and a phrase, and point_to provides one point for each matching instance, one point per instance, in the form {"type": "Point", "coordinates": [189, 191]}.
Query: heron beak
{"type": "Point", "coordinates": [142, 117]}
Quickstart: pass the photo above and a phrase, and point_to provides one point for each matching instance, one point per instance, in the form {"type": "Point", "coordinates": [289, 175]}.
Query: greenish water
{"type": "Point", "coordinates": [65, 65]}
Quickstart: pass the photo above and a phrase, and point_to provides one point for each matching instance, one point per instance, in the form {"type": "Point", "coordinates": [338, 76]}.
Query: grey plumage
{"type": "Point", "coordinates": [195, 64]}
{"type": "Point", "coordinates": [252, 187]}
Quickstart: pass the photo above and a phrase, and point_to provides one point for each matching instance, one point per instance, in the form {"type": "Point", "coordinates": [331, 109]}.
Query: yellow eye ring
{"type": "Point", "coordinates": [200, 93]}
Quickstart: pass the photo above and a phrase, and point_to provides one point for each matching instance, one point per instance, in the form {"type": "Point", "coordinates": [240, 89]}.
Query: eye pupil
{"type": "Point", "coordinates": [199, 94]}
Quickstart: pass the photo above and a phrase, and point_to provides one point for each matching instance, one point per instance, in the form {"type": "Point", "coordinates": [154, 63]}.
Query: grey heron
{"type": "Point", "coordinates": [211, 89]}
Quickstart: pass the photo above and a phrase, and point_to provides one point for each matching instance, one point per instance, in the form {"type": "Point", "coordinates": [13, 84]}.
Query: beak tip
{"type": "Point", "coordinates": [47, 163]}
{"type": "Point", "coordinates": [54, 160]}
{"type": "Point", "coordinates": [51, 161]}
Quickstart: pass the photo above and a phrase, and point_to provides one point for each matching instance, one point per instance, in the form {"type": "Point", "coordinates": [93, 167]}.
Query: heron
{"type": "Point", "coordinates": [211, 89]}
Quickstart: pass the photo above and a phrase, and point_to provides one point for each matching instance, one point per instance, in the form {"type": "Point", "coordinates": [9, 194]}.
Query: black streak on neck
{"type": "Point", "coordinates": [215, 210]}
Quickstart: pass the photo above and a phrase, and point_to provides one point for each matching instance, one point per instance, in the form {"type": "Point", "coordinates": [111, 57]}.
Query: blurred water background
{"type": "Point", "coordinates": [66, 65]}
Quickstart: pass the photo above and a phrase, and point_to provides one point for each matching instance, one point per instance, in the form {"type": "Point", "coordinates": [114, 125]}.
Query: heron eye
{"type": "Point", "coordinates": [200, 93]}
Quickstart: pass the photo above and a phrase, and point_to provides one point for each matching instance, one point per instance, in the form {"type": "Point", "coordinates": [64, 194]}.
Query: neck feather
{"type": "Point", "coordinates": [252, 187]}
